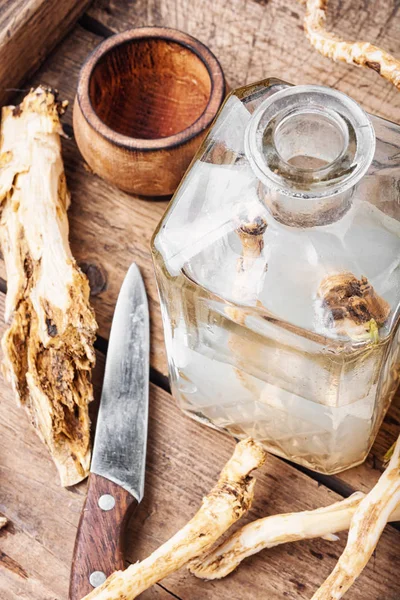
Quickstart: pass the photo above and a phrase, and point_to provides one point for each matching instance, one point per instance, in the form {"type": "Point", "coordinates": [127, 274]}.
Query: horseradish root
{"type": "Point", "coordinates": [250, 266]}
{"type": "Point", "coordinates": [351, 306]}
{"type": "Point", "coordinates": [361, 54]}
{"type": "Point", "coordinates": [366, 527]}
{"type": "Point", "coordinates": [250, 273]}
{"type": "Point", "coordinates": [223, 506]}
{"type": "Point", "coordinates": [48, 346]}
{"type": "Point", "coordinates": [274, 530]}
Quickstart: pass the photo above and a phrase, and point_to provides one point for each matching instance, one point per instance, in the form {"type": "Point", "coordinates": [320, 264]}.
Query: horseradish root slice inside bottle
{"type": "Point", "coordinates": [278, 270]}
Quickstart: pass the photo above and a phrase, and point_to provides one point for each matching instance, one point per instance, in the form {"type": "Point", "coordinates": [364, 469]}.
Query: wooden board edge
{"type": "Point", "coordinates": [29, 36]}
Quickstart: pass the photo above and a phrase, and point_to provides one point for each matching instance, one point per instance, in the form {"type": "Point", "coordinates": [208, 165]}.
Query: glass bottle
{"type": "Point", "coordinates": [278, 270]}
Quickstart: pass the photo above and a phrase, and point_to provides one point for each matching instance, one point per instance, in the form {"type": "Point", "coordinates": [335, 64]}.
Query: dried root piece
{"type": "Point", "coordinates": [48, 346]}
{"type": "Point", "coordinates": [352, 307]}
{"type": "Point", "coordinates": [251, 269]}
{"type": "Point", "coordinates": [223, 506]}
{"type": "Point", "coordinates": [272, 531]}
{"type": "Point", "coordinates": [366, 527]}
{"type": "Point", "coordinates": [362, 54]}
{"type": "Point", "coordinates": [251, 235]}
{"type": "Point", "coordinates": [278, 529]}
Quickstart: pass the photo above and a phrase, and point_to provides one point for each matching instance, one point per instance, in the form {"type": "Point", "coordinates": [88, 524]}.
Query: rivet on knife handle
{"type": "Point", "coordinates": [99, 541]}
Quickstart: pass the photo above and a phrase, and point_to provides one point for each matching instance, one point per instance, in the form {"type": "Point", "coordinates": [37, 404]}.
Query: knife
{"type": "Point", "coordinates": [116, 480]}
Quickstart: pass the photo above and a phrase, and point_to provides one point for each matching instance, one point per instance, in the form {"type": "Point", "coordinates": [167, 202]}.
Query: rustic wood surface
{"type": "Point", "coordinates": [109, 230]}
{"type": "Point", "coordinates": [29, 30]}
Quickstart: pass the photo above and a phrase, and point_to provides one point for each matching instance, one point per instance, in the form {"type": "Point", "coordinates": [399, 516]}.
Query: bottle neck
{"type": "Point", "coordinates": [309, 146]}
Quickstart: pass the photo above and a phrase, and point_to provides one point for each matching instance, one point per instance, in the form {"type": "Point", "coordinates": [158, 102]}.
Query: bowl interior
{"type": "Point", "coordinates": [149, 88]}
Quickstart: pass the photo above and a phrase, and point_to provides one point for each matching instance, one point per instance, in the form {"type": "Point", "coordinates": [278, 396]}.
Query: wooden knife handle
{"type": "Point", "coordinates": [100, 536]}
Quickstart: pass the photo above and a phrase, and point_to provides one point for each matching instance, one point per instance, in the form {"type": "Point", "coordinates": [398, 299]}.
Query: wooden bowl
{"type": "Point", "coordinates": [145, 100]}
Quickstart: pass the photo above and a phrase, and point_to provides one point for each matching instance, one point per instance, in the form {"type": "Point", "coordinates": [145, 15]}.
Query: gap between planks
{"type": "Point", "coordinates": [168, 591]}
{"type": "Point", "coordinates": [94, 26]}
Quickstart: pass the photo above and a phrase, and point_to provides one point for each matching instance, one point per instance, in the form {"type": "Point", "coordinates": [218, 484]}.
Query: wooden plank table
{"type": "Point", "coordinates": [109, 230]}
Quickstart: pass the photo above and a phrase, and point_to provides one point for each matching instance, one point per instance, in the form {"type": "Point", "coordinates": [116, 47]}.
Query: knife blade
{"type": "Point", "coordinates": [116, 480]}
